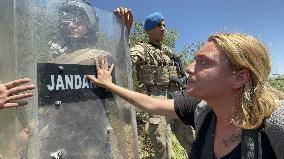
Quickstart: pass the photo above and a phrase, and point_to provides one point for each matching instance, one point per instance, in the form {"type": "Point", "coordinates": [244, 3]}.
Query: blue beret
{"type": "Point", "coordinates": [153, 20]}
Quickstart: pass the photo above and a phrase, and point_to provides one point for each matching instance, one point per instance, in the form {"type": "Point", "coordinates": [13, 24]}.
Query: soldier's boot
{"type": "Point", "coordinates": [159, 136]}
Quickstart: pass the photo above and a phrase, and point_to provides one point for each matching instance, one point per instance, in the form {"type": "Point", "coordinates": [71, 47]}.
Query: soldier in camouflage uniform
{"type": "Point", "coordinates": [154, 66]}
{"type": "Point", "coordinates": [78, 28]}
{"type": "Point", "coordinates": [78, 34]}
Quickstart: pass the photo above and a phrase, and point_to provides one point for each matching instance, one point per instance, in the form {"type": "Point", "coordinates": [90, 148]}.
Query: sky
{"type": "Point", "coordinates": [195, 20]}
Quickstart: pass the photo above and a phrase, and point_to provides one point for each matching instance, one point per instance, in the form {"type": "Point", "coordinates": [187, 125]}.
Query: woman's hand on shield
{"type": "Point", "coordinates": [104, 77]}
{"type": "Point", "coordinates": [12, 91]}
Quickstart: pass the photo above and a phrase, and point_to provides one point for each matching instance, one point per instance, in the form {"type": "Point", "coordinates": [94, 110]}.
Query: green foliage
{"type": "Point", "coordinates": [277, 82]}
{"type": "Point", "coordinates": [178, 151]}
{"type": "Point", "coordinates": [171, 38]}
{"type": "Point", "coordinates": [137, 34]}
{"type": "Point", "coordinates": [188, 52]}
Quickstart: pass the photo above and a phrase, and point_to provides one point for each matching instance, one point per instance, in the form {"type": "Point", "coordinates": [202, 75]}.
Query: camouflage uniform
{"type": "Point", "coordinates": [154, 67]}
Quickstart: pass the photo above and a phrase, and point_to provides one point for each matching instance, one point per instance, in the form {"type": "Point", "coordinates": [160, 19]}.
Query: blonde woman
{"type": "Point", "coordinates": [238, 117]}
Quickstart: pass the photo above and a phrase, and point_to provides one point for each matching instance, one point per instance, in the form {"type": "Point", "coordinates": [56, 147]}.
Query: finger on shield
{"type": "Point", "coordinates": [106, 60]}
{"type": "Point", "coordinates": [91, 77]}
{"type": "Point", "coordinates": [19, 96]}
{"type": "Point", "coordinates": [104, 63]}
{"type": "Point", "coordinates": [111, 67]}
{"type": "Point", "coordinates": [97, 64]}
{"type": "Point", "coordinates": [19, 89]}
{"type": "Point", "coordinates": [118, 11]}
{"type": "Point", "coordinates": [122, 10]}
{"type": "Point", "coordinates": [9, 105]}
{"type": "Point", "coordinates": [15, 104]}
{"type": "Point", "coordinates": [15, 83]}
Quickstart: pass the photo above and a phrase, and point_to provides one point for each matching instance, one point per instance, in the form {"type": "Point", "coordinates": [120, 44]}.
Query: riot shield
{"type": "Point", "coordinates": [54, 43]}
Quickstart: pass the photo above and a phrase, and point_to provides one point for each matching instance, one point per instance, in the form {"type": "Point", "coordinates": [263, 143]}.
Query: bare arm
{"type": "Point", "coordinates": [163, 107]}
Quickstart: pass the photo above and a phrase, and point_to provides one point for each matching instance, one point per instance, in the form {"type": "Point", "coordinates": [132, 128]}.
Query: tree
{"type": "Point", "coordinates": [188, 52]}
{"type": "Point", "coordinates": [277, 82]}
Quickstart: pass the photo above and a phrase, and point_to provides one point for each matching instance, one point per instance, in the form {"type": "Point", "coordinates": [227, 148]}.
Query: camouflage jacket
{"type": "Point", "coordinates": [154, 65]}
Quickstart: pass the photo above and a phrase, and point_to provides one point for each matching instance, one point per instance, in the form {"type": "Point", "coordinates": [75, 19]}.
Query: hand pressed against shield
{"type": "Point", "coordinates": [12, 91]}
{"type": "Point", "coordinates": [103, 73]}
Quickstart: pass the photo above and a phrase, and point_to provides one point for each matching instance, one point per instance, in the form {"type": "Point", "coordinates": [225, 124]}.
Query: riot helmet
{"type": "Point", "coordinates": [78, 23]}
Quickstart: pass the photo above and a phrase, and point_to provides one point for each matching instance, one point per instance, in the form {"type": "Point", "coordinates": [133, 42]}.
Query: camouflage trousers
{"type": "Point", "coordinates": [160, 134]}
{"type": "Point", "coordinates": [161, 130]}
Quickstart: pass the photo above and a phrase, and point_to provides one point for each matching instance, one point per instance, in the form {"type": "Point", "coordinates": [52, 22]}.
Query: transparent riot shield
{"type": "Point", "coordinates": [54, 43]}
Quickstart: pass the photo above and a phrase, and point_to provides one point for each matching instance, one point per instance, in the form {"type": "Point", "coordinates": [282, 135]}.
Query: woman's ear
{"type": "Point", "coordinates": [240, 79]}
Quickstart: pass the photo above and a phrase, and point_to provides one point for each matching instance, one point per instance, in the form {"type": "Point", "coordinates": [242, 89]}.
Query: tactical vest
{"type": "Point", "coordinates": [158, 66]}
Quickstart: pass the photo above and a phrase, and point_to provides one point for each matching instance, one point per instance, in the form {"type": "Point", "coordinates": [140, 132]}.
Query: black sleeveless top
{"type": "Point", "coordinates": [185, 111]}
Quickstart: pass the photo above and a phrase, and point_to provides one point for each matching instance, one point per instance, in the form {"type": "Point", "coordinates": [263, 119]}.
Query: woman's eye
{"type": "Point", "coordinates": [200, 61]}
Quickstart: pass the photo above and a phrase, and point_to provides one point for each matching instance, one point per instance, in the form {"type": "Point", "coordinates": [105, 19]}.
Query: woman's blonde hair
{"type": "Point", "coordinates": [257, 100]}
